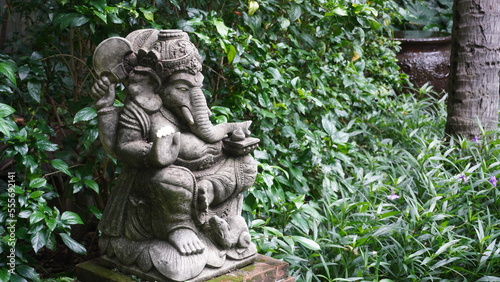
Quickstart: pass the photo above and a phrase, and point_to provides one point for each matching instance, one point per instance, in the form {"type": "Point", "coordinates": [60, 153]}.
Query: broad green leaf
{"type": "Point", "coordinates": [222, 29]}
{"type": "Point", "coordinates": [231, 54]}
{"type": "Point", "coordinates": [35, 90]}
{"type": "Point", "coordinates": [36, 217]}
{"type": "Point", "coordinates": [101, 16]}
{"type": "Point", "coordinates": [77, 187]}
{"type": "Point", "coordinates": [100, 5]}
{"type": "Point", "coordinates": [51, 223]}
{"type": "Point", "coordinates": [340, 137]}
{"type": "Point", "coordinates": [70, 217]}
{"type": "Point", "coordinates": [9, 71]}
{"type": "Point", "coordinates": [418, 253]}
{"type": "Point", "coordinates": [74, 179]}
{"type": "Point", "coordinates": [444, 262]}
{"type": "Point", "coordinates": [295, 12]}
{"type": "Point", "coordinates": [36, 56]}
{"type": "Point", "coordinates": [308, 243]}
{"type": "Point", "coordinates": [148, 14]}
{"type": "Point", "coordinates": [328, 125]}
{"type": "Point", "coordinates": [38, 241]}
{"type": "Point", "coordinates": [4, 274]}
{"type": "Point", "coordinates": [175, 3]}
{"type": "Point", "coordinates": [36, 194]}
{"type": "Point", "coordinates": [5, 89]}
{"type": "Point", "coordinates": [70, 20]}
{"type": "Point", "coordinates": [38, 183]}
{"type": "Point", "coordinates": [46, 145]}
{"type": "Point", "coordinates": [275, 73]}
{"type": "Point", "coordinates": [17, 278]}
{"type": "Point", "coordinates": [488, 252]}
{"type": "Point", "coordinates": [95, 211]}
{"type": "Point", "coordinates": [299, 221]}
{"type": "Point", "coordinates": [51, 242]}
{"type": "Point", "coordinates": [284, 23]}
{"type": "Point", "coordinates": [30, 163]}
{"type": "Point", "coordinates": [27, 272]}
{"type": "Point", "coordinates": [6, 110]}
{"type": "Point", "coordinates": [89, 137]}
{"type": "Point", "coordinates": [115, 19]}
{"type": "Point", "coordinates": [337, 11]}
{"type": "Point", "coordinates": [389, 214]}
{"type": "Point", "coordinates": [83, 9]}
{"type": "Point", "coordinates": [92, 185]}
{"type": "Point", "coordinates": [61, 166]}
{"type": "Point", "coordinates": [273, 231]}
{"type": "Point", "coordinates": [85, 114]}
{"type": "Point", "coordinates": [21, 148]}
{"type": "Point", "coordinates": [7, 126]}
{"type": "Point", "coordinates": [72, 244]}
{"type": "Point", "coordinates": [24, 214]}
{"type": "Point", "coordinates": [258, 222]}
{"type": "Point", "coordinates": [290, 242]}
{"type": "Point", "coordinates": [446, 246]}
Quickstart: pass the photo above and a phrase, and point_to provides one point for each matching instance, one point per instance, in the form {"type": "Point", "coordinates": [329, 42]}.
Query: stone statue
{"type": "Point", "coordinates": [174, 213]}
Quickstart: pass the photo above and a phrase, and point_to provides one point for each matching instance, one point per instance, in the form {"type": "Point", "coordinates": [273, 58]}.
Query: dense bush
{"type": "Point", "coordinates": [318, 79]}
{"type": "Point", "coordinates": [430, 15]}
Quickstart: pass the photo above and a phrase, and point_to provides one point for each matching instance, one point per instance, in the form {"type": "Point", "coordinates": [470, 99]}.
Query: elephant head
{"type": "Point", "coordinates": [184, 97]}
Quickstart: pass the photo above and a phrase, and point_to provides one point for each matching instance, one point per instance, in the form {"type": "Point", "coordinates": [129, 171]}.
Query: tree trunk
{"type": "Point", "coordinates": [475, 67]}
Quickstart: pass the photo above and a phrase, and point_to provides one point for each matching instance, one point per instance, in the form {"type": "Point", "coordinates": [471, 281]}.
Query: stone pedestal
{"type": "Point", "coordinates": [264, 269]}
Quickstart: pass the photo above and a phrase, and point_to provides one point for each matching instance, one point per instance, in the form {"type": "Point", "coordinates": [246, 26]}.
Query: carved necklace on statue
{"type": "Point", "coordinates": [170, 117]}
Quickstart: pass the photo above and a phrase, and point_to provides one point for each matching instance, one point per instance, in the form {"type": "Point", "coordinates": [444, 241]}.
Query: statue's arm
{"type": "Point", "coordinates": [132, 149]}
{"type": "Point", "coordinates": [103, 92]}
{"type": "Point", "coordinates": [135, 150]}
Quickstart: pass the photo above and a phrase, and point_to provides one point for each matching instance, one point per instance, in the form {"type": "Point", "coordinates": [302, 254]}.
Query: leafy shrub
{"type": "Point", "coordinates": [318, 79]}
{"type": "Point", "coordinates": [274, 62]}
{"type": "Point", "coordinates": [29, 223]}
{"type": "Point", "coordinates": [432, 15]}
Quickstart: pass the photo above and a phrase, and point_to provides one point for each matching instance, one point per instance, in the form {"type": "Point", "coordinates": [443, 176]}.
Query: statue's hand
{"type": "Point", "coordinates": [246, 127]}
{"type": "Point", "coordinates": [165, 149]}
{"type": "Point", "coordinates": [242, 131]}
{"type": "Point", "coordinates": [103, 92]}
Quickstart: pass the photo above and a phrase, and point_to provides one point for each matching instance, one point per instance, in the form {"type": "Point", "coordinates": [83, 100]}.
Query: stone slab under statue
{"type": "Point", "coordinates": [174, 213]}
{"type": "Point", "coordinates": [263, 269]}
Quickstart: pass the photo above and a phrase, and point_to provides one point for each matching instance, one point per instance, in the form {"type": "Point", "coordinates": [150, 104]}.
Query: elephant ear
{"type": "Point", "coordinates": [142, 39]}
{"type": "Point", "coordinates": [109, 57]}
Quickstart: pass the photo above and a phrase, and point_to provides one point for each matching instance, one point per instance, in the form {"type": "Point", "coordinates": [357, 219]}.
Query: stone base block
{"type": "Point", "coordinates": [264, 269]}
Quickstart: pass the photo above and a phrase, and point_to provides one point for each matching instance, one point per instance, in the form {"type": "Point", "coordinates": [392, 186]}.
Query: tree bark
{"type": "Point", "coordinates": [475, 68]}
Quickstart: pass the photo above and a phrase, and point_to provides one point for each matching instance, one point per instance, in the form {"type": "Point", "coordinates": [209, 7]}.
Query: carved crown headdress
{"type": "Point", "coordinates": [171, 52]}
{"type": "Point", "coordinates": [165, 51]}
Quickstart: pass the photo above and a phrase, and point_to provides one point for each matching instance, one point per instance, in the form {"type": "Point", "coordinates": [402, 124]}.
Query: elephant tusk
{"type": "Point", "coordinates": [187, 115]}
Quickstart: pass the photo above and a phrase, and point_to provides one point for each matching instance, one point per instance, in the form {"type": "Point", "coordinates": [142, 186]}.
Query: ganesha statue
{"type": "Point", "coordinates": [175, 211]}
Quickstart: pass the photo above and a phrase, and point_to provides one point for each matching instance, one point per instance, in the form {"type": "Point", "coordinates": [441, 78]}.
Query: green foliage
{"type": "Point", "coordinates": [432, 15]}
{"type": "Point", "coordinates": [25, 196]}
{"type": "Point", "coordinates": [442, 226]}
{"type": "Point", "coordinates": [318, 80]}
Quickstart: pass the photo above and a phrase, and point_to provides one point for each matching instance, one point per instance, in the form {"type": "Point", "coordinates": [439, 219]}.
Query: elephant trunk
{"type": "Point", "coordinates": [200, 123]}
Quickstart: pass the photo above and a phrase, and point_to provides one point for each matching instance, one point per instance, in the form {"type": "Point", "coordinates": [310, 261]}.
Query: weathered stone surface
{"type": "Point", "coordinates": [263, 269]}
{"type": "Point", "coordinates": [175, 211]}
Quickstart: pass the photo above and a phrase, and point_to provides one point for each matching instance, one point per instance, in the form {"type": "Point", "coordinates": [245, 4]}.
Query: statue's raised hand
{"type": "Point", "coordinates": [103, 92]}
{"type": "Point", "coordinates": [166, 147]}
